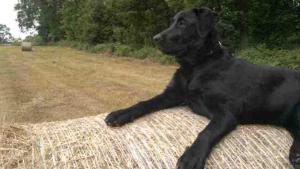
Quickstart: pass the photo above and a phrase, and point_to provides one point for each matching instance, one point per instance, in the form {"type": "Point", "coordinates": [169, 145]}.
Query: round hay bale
{"type": "Point", "coordinates": [26, 46]}
{"type": "Point", "coordinates": [152, 142]}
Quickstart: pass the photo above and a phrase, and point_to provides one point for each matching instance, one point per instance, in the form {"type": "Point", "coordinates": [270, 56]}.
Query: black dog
{"type": "Point", "coordinates": [213, 84]}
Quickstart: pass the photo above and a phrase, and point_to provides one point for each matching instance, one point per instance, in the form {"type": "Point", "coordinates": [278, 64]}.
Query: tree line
{"type": "Point", "coordinates": [241, 22]}
{"type": "Point", "coordinates": [5, 35]}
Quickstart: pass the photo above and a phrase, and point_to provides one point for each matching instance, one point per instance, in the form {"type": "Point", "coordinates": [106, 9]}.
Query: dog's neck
{"type": "Point", "coordinates": [211, 50]}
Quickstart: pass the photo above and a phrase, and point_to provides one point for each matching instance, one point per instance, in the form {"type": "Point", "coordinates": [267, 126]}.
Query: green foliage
{"type": "Point", "coordinates": [27, 14]}
{"type": "Point", "coordinates": [146, 52]}
{"type": "Point", "coordinates": [35, 40]}
{"type": "Point", "coordinates": [44, 16]}
{"type": "Point", "coordinates": [86, 21]}
{"type": "Point", "coordinates": [80, 45]}
{"type": "Point", "coordinates": [5, 35]}
{"type": "Point", "coordinates": [49, 27]}
{"type": "Point", "coordinates": [153, 54]}
{"type": "Point", "coordinates": [16, 42]}
{"type": "Point", "coordinates": [137, 21]}
{"type": "Point", "coordinates": [122, 50]}
{"type": "Point", "coordinates": [274, 22]}
{"type": "Point", "coordinates": [259, 54]}
{"type": "Point", "coordinates": [104, 47]}
{"type": "Point", "coordinates": [274, 57]}
{"type": "Point", "coordinates": [129, 25]}
{"type": "Point", "coordinates": [117, 49]}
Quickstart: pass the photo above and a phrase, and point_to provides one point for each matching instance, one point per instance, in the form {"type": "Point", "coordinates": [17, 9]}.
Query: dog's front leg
{"type": "Point", "coordinates": [195, 156]}
{"type": "Point", "coordinates": [172, 96]}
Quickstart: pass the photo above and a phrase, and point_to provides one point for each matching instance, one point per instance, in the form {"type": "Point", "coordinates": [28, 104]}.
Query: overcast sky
{"type": "Point", "coordinates": [8, 17]}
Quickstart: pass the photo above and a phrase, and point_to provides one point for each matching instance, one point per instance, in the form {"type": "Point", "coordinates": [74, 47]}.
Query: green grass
{"type": "Point", "coordinates": [259, 54]}
{"type": "Point", "coordinates": [274, 57]}
{"type": "Point", "coordinates": [117, 49]}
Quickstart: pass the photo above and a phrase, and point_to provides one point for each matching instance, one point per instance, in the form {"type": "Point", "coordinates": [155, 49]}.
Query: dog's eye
{"type": "Point", "coordinates": [181, 23]}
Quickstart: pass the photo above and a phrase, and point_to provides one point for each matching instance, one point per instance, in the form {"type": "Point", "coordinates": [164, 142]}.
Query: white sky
{"type": "Point", "coordinates": [8, 17]}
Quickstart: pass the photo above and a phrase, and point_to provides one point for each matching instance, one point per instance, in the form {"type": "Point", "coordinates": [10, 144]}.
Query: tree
{"type": "Point", "coordinates": [243, 13]}
{"type": "Point", "coordinates": [27, 14]}
{"type": "Point", "coordinates": [134, 22]}
{"type": "Point", "coordinates": [244, 22]}
{"type": "Point", "coordinates": [41, 15]}
{"type": "Point", "coordinates": [139, 20]}
{"type": "Point", "coordinates": [5, 35]}
{"type": "Point", "coordinates": [87, 21]}
{"type": "Point", "coordinates": [274, 22]}
{"type": "Point", "coordinates": [49, 20]}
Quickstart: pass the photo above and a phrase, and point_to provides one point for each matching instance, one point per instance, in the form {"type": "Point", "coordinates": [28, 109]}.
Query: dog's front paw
{"type": "Point", "coordinates": [190, 160]}
{"type": "Point", "coordinates": [295, 160]}
{"type": "Point", "coordinates": [118, 118]}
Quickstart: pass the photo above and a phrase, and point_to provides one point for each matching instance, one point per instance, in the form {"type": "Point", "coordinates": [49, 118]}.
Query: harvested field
{"type": "Point", "coordinates": [52, 93]}
{"type": "Point", "coordinates": [55, 83]}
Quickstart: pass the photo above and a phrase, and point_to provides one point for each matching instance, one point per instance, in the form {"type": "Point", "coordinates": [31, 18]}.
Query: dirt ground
{"type": "Point", "coordinates": [55, 83]}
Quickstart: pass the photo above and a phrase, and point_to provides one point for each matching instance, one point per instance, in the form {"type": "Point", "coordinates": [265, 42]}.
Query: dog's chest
{"type": "Point", "coordinates": [200, 81]}
{"type": "Point", "coordinates": [206, 86]}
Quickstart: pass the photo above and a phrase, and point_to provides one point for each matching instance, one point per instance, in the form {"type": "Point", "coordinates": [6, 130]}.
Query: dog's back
{"type": "Point", "coordinates": [261, 94]}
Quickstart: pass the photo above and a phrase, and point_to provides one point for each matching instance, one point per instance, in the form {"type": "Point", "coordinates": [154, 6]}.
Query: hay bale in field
{"type": "Point", "coordinates": [152, 142]}
{"type": "Point", "coordinates": [26, 46]}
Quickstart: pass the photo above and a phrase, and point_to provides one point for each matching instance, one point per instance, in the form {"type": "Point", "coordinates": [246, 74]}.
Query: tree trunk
{"type": "Point", "coordinates": [243, 8]}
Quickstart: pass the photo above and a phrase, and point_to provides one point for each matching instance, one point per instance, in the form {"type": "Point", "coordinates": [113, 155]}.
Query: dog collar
{"type": "Point", "coordinates": [220, 43]}
{"type": "Point", "coordinates": [211, 51]}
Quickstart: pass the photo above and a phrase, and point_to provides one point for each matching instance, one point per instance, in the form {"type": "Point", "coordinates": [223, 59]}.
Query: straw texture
{"type": "Point", "coordinates": [152, 142]}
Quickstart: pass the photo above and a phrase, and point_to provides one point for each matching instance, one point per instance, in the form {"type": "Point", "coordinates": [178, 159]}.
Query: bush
{"type": "Point", "coordinates": [36, 40]}
{"type": "Point", "coordinates": [123, 50]}
{"type": "Point", "coordinates": [79, 45]}
{"type": "Point", "coordinates": [259, 54]}
{"type": "Point", "coordinates": [102, 48]}
{"type": "Point", "coordinates": [153, 54]}
{"type": "Point", "coordinates": [16, 42]}
{"type": "Point", "coordinates": [275, 57]}
{"type": "Point", "coordinates": [146, 52]}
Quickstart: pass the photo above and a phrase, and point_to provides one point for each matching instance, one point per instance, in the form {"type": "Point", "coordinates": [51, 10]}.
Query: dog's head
{"type": "Point", "coordinates": [188, 30]}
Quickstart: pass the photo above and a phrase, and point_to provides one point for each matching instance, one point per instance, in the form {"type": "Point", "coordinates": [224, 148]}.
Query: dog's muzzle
{"type": "Point", "coordinates": [157, 38]}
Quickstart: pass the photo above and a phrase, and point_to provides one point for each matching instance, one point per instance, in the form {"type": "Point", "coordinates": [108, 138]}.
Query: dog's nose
{"type": "Point", "coordinates": [157, 38]}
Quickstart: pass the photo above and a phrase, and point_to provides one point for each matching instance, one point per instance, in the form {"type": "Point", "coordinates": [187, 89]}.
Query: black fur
{"type": "Point", "coordinates": [228, 91]}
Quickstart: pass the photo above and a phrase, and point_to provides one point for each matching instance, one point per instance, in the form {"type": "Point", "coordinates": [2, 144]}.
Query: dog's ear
{"type": "Point", "coordinates": [207, 20]}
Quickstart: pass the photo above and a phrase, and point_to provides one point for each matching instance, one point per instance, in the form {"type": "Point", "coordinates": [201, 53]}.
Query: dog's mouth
{"type": "Point", "coordinates": [165, 45]}
{"type": "Point", "coordinates": [171, 50]}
